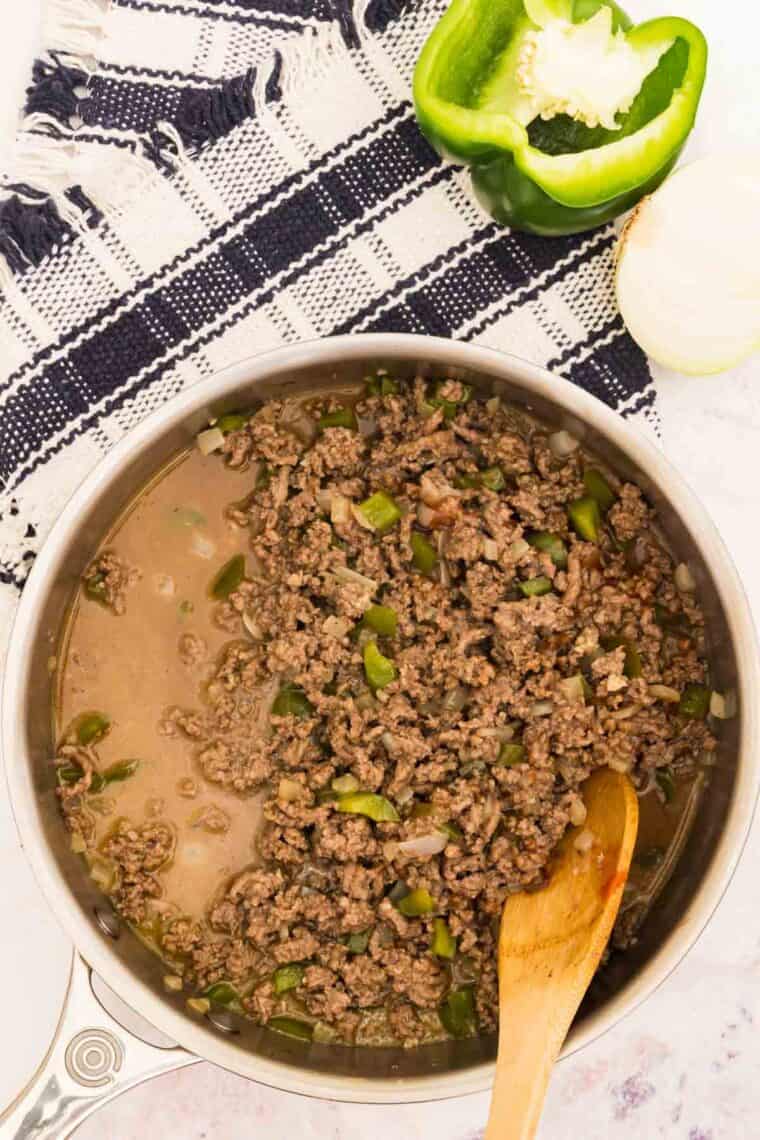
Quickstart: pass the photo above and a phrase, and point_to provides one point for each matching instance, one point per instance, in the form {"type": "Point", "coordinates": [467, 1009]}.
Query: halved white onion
{"type": "Point", "coordinates": [688, 274]}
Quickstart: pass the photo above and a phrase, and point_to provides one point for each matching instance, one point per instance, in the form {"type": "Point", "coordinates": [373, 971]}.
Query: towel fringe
{"type": "Point", "coordinates": [59, 186]}
{"type": "Point", "coordinates": [75, 26]}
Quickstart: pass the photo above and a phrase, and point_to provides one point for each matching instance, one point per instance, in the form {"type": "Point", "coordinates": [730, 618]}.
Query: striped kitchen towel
{"type": "Point", "coordinates": [198, 180]}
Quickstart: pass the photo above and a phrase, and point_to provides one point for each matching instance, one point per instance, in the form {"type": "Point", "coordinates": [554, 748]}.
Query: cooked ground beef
{"type": "Point", "coordinates": [108, 579]}
{"type": "Point", "coordinates": [401, 807]}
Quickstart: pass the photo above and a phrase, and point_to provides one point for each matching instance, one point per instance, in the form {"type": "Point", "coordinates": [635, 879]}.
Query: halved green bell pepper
{"type": "Point", "coordinates": [571, 169]}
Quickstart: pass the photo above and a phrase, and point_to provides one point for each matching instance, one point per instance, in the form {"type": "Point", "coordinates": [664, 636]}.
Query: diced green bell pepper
{"type": "Point", "coordinates": [381, 511]}
{"type": "Point", "coordinates": [292, 701]}
{"type": "Point", "coordinates": [586, 518]}
{"type": "Point", "coordinates": [598, 488]}
{"type": "Point", "coordinates": [416, 904]}
{"type": "Point", "coordinates": [222, 993]}
{"type": "Point", "coordinates": [340, 418]}
{"type": "Point", "coordinates": [381, 619]}
{"type": "Point", "coordinates": [232, 421]}
{"type": "Point", "coordinates": [695, 702]}
{"type": "Point", "coordinates": [379, 670]}
{"type": "Point", "coordinates": [291, 1027]}
{"type": "Point", "coordinates": [381, 386]}
{"type": "Point", "coordinates": [287, 977]}
{"type": "Point", "coordinates": [424, 554]}
{"type": "Point", "coordinates": [550, 544]}
{"type": "Point", "coordinates": [229, 578]}
{"type": "Point", "coordinates": [377, 808]}
{"type": "Point", "coordinates": [457, 1013]}
{"type": "Point", "coordinates": [444, 943]}
{"type": "Point", "coordinates": [559, 171]}
{"type": "Point", "coordinates": [535, 587]}
{"type": "Point", "coordinates": [95, 588]}
{"type": "Point", "coordinates": [89, 728]}
{"type": "Point", "coordinates": [511, 754]}
{"type": "Point", "coordinates": [358, 943]}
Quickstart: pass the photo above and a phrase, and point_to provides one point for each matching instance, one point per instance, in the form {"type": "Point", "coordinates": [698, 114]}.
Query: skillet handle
{"type": "Point", "coordinates": [92, 1060]}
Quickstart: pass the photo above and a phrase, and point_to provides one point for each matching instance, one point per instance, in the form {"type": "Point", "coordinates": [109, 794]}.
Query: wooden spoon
{"type": "Point", "coordinates": [550, 945]}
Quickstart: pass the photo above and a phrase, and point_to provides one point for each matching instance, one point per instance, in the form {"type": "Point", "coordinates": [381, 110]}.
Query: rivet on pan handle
{"type": "Point", "coordinates": [92, 1060]}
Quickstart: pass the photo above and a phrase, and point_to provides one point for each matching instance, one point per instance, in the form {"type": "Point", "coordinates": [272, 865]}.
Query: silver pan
{"type": "Point", "coordinates": [96, 1056]}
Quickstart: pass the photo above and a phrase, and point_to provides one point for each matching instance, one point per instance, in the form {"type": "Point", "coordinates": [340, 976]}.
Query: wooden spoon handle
{"type": "Point", "coordinates": [538, 1003]}
{"type": "Point", "coordinates": [550, 945]}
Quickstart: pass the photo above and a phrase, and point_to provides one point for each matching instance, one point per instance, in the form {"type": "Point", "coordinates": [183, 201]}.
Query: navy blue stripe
{"type": "Point", "coordinates": [389, 120]}
{"type": "Point", "coordinates": [200, 341]}
{"type": "Point", "coordinates": [209, 13]}
{"type": "Point", "coordinates": [613, 372]}
{"type": "Point", "coordinates": [287, 235]}
{"type": "Point", "coordinates": [443, 303]}
{"type": "Point", "coordinates": [306, 9]}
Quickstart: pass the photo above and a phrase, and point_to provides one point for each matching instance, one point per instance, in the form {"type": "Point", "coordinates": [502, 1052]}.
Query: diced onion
{"type": "Point", "coordinates": [268, 695]}
{"type": "Point", "coordinates": [619, 764]}
{"type": "Point", "coordinates": [344, 785]}
{"type": "Point", "coordinates": [723, 706]}
{"type": "Point", "coordinates": [289, 790]}
{"type": "Point", "coordinates": [665, 693]}
{"type": "Point", "coordinates": [493, 405]}
{"type": "Point", "coordinates": [340, 510]}
{"type": "Point", "coordinates": [173, 983]}
{"type": "Point", "coordinates": [404, 796]}
{"type": "Point", "coordinates": [584, 842]}
{"type": "Point", "coordinates": [202, 546]}
{"type": "Point", "coordinates": [563, 444]}
{"type": "Point", "coordinates": [346, 574]}
{"type": "Point", "coordinates": [427, 515]}
{"type": "Point", "coordinates": [324, 499]}
{"type": "Point", "coordinates": [543, 708]}
{"type": "Point", "coordinates": [164, 585]}
{"type": "Point", "coordinates": [684, 580]}
{"type": "Point", "coordinates": [519, 548]}
{"type": "Point", "coordinates": [455, 699]}
{"type": "Point", "coordinates": [572, 689]}
{"type": "Point", "coordinates": [361, 518]}
{"type": "Point", "coordinates": [389, 742]}
{"type": "Point", "coordinates": [436, 491]}
{"type": "Point", "coordinates": [491, 550]}
{"type": "Point", "coordinates": [199, 1005]}
{"type": "Point", "coordinates": [423, 846]}
{"type": "Point", "coordinates": [280, 486]}
{"type": "Point", "coordinates": [250, 624]}
{"type": "Point", "coordinates": [210, 440]}
{"type": "Point", "coordinates": [578, 813]}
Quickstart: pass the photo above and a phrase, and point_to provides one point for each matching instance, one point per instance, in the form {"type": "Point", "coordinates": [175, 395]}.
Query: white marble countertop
{"type": "Point", "coordinates": [686, 1065]}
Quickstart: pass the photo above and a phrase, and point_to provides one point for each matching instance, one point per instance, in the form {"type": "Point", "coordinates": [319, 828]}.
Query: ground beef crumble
{"type": "Point", "coordinates": [477, 740]}
{"type": "Point", "coordinates": [107, 580]}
